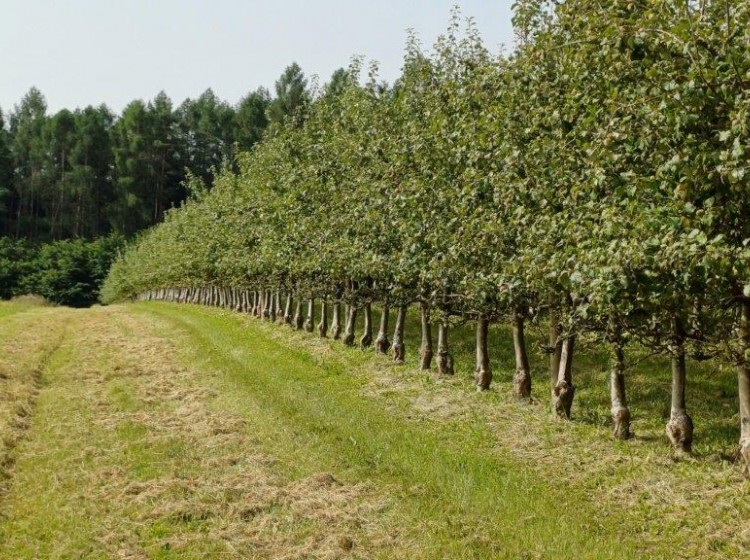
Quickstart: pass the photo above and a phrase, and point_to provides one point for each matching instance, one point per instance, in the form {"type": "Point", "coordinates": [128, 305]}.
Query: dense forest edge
{"type": "Point", "coordinates": [76, 183]}
{"type": "Point", "coordinates": [593, 181]}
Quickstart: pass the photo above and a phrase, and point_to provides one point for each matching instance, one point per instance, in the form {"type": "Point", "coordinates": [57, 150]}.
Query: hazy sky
{"type": "Point", "coordinates": [81, 52]}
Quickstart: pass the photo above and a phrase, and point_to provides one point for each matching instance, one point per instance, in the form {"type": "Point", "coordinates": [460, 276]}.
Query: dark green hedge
{"type": "Point", "coordinates": [68, 272]}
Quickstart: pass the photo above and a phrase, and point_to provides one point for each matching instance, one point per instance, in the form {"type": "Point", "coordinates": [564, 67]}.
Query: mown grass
{"type": "Point", "coordinates": [639, 489]}
{"type": "Point", "coordinates": [467, 496]}
{"type": "Point", "coordinates": [165, 431]}
{"type": "Point", "coordinates": [125, 459]}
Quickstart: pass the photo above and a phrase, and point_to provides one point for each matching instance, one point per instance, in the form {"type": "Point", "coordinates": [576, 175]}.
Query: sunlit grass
{"type": "Point", "coordinates": [168, 431]}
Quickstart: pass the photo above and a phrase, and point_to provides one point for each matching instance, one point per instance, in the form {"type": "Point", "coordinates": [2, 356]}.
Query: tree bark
{"type": "Point", "coordinates": [620, 410]}
{"type": "Point", "coordinates": [288, 309]}
{"type": "Point", "coordinates": [399, 349]}
{"type": "Point", "coordinates": [555, 344]}
{"type": "Point", "coordinates": [562, 395]}
{"type": "Point", "coordinates": [366, 340]}
{"type": "Point", "coordinates": [310, 320]}
{"type": "Point", "coordinates": [680, 426]}
{"type": "Point", "coordinates": [425, 350]}
{"type": "Point", "coordinates": [351, 320]}
{"type": "Point", "coordinates": [522, 377]}
{"type": "Point", "coordinates": [298, 319]}
{"type": "Point", "coordinates": [382, 344]}
{"type": "Point", "coordinates": [336, 320]}
{"type": "Point", "coordinates": [444, 357]}
{"type": "Point", "coordinates": [323, 325]}
{"type": "Point", "coordinates": [743, 382]}
{"type": "Point", "coordinates": [279, 311]}
{"type": "Point", "coordinates": [482, 371]}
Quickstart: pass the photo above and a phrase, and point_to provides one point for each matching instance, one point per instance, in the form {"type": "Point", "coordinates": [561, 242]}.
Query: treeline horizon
{"type": "Point", "coordinates": [90, 172]}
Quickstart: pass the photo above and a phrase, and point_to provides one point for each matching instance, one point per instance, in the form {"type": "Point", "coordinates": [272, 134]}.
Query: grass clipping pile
{"type": "Point", "coordinates": [217, 495]}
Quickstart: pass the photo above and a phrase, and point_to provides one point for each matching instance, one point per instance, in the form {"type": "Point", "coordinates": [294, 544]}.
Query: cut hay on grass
{"type": "Point", "coordinates": [167, 472]}
{"type": "Point", "coordinates": [160, 431]}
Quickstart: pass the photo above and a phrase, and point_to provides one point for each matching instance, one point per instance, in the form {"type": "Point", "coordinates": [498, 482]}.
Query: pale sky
{"type": "Point", "coordinates": [87, 52]}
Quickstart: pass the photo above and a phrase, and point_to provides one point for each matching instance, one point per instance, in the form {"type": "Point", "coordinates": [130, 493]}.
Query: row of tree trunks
{"type": "Point", "coordinates": [267, 304]}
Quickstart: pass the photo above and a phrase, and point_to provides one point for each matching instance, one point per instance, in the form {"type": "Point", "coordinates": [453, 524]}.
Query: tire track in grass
{"type": "Point", "coordinates": [28, 344]}
{"type": "Point", "coordinates": [129, 459]}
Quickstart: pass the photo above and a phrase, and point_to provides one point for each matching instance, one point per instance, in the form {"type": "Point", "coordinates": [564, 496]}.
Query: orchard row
{"type": "Point", "coordinates": [596, 179]}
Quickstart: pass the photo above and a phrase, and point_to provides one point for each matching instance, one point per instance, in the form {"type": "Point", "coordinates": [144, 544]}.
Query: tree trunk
{"type": "Point", "coordinates": [482, 371]}
{"type": "Point", "coordinates": [351, 320]}
{"type": "Point", "coordinates": [323, 325]}
{"type": "Point", "coordinates": [425, 350]}
{"type": "Point", "coordinates": [620, 410]}
{"type": "Point", "coordinates": [680, 426]}
{"type": "Point", "coordinates": [267, 304]}
{"type": "Point", "coordinates": [288, 309]}
{"type": "Point", "coordinates": [399, 350]}
{"type": "Point", "coordinates": [366, 340]}
{"type": "Point", "coordinates": [562, 395]}
{"type": "Point", "coordinates": [382, 344]}
{"type": "Point", "coordinates": [310, 320]}
{"type": "Point", "coordinates": [444, 358]}
{"type": "Point", "coordinates": [522, 377]}
{"type": "Point", "coordinates": [279, 310]}
{"type": "Point", "coordinates": [555, 344]}
{"type": "Point", "coordinates": [743, 381]}
{"type": "Point", "coordinates": [298, 319]}
{"type": "Point", "coordinates": [336, 320]}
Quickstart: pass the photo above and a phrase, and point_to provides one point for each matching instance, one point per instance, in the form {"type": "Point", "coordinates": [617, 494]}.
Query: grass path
{"type": "Point", "coordinates": [158, 431]}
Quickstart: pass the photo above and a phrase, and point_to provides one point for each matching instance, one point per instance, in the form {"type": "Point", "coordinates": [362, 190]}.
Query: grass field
{"type": "Point", "coordinates": [165, 431]}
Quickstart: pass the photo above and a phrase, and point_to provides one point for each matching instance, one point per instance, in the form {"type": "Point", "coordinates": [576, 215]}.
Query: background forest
{"type": "Point", "coordinates": [71, 178]}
